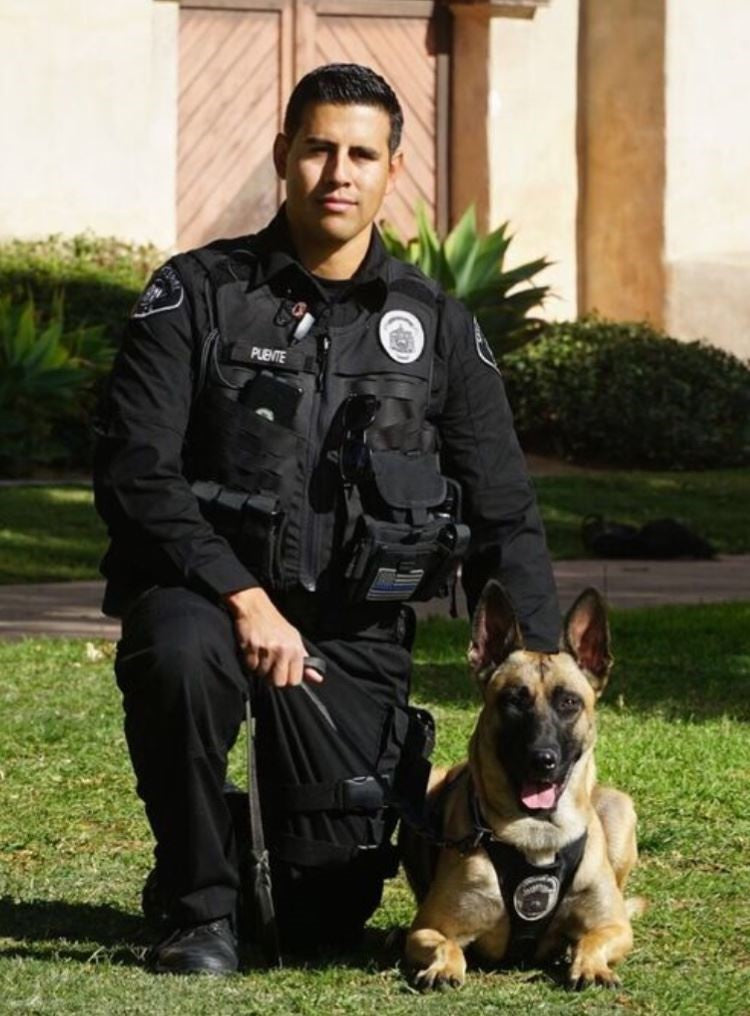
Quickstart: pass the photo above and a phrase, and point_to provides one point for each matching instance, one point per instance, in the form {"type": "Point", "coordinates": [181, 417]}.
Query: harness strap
{"type": "Point", "coordinates": [299, 850]}
{"type": "Point", "coordinates": [356, 794]}
{"type": "Point", "coordinates": [532, 893]}
{"type": "Point", "coordinates": [406, 790]}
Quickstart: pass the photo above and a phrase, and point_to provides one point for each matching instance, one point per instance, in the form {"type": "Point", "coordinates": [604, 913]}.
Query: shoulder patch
{"type": "Point", "coordinates": [401, 335]}
{"type": "Point", "coordinates": [484, 350]}
{"type": "Point", "coordinates": [164, 292]}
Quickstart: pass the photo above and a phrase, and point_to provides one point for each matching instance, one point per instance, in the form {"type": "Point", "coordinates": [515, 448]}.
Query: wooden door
{"type": "Point", "coordinates": [405, 48]}
{"type": "Point", "coordinates": [238, 62]}
{"type": "Point", "coordinates": [228, 115]}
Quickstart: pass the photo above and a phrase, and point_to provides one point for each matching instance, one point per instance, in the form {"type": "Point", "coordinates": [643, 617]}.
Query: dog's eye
{"type": "Point", "coordinates": [516, 697]}
{"type": "Point", "coordinates": [566, 703]}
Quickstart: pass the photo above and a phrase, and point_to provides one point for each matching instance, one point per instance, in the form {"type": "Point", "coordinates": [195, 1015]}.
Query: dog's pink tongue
{"type": "Point", "coordinates": [538, 795]}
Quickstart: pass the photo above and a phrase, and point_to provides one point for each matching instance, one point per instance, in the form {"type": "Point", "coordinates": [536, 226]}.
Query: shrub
{"type": "Point", "coordinates": [101, 277]}
{"type": "Point", "coordinates": [47, 381]}
{"type": "Point", "coordinates": [471, 268]}
{"type": "Point", "coordinates": [603, 392]}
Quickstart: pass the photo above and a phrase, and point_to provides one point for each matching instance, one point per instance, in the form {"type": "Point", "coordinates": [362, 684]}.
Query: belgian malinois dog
{"type": "Point", "coordinates": [530, 856]}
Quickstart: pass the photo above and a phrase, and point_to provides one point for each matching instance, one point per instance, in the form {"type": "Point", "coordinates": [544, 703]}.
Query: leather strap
{"type": "Point", "coordinates": [260, 866]}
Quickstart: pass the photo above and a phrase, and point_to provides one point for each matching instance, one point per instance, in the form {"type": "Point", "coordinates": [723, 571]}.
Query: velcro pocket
{"type": "Point", "coordinates": [408, 482]}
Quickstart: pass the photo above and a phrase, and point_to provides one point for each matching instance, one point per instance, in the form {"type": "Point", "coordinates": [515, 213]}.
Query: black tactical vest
{"type": "Point", "coordinates": [268, 428]}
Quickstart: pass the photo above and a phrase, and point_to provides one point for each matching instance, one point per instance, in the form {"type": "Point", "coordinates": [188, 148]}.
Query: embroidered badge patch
{"type": "Point", "coordinates": [402, 336]}
{"type": "Point", "coordinates": [389, 584]}
{"type": "Point", "coordinates": [536, 897]}
{"type": "Point", "coordinates": [484, 350]}
{"type": "Point", "coordinates": [164, 292]}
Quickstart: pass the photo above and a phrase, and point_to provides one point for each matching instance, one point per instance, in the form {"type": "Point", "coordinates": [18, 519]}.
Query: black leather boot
{"type": "Point", "coordinates": [198, 949]}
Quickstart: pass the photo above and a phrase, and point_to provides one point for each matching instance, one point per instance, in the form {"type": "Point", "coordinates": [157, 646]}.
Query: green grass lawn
{"type": "Point", "coordinates": [51, 534]}
{"type": "Point", "coordinates": [74, 847]}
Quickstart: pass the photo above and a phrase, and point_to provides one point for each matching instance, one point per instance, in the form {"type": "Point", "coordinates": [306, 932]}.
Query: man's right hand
{"type": "Point", "coordinates": [269, 645]}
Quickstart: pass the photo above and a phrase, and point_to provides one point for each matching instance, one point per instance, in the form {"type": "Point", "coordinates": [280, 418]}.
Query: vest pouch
{"type": "Point", "coordinates": [400, 561]}
{"type": "Point", "coordinates": [250, 522]}
{"type": "Point", "coordinates": [407, 544]}
{"type": "Point", "coordinates": [258, 545]}
{"type": "Point", "coordinates": [403, 487]}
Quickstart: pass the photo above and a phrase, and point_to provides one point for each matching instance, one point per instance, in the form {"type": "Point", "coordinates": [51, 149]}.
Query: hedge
{"type": "Point", "coordinates": [620, 394]}
{"type": "Point", "coordinates": [100, 277]}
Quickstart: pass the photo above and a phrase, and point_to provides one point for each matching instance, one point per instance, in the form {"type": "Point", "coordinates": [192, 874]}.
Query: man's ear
{"type": "Point", "coordinates": [394, 170]}
{"type": "Point", "coordinates": [586, 638]}
{"type": "Point", "coordinates": [495, 632]}
{"type": "Point", "coordinates": [280, 153]}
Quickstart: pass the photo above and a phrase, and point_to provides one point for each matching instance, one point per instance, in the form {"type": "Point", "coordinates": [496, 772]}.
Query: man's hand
{"type": "Point", "coordinates": [269, 645]}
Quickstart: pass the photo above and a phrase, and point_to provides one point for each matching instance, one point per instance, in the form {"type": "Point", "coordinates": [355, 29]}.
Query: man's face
{"type": "Point", "coordinates": [337, 169]}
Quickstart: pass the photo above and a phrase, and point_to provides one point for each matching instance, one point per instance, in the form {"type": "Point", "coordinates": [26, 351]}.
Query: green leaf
{"type": "Point", "coordinates": [22, 333]}
{"type": "Point", "coordinates": [430, 260]}
{"type": "Point", "coordinates": [489, 261]}
{"type": "Point", "coordinates": [393, 243]}
{"type": "Point", "coordinates": [525, 272]}
{"type": "Point", "coordinates": [461, 248]}
{"type": "Point", "coordinates": [43, 381]}
{"type": "Point", "coordinates": [470, 267]}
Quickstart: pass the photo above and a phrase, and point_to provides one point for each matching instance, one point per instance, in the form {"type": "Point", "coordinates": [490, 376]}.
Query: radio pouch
{"type": "Point", "coordinates": [406, 544]}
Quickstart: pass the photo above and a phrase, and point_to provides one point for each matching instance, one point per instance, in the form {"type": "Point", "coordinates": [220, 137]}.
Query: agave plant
{"type": "Point", "coordinates": [470, 267]}
{"type": "Point", "coordinates": [46, 376]}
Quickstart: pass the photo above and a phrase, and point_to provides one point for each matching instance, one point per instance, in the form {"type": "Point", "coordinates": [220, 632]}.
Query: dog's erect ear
{"type": "Point", "coordinates": [494, 631]}
{"type": "Point", "coordinates": [586, 638]}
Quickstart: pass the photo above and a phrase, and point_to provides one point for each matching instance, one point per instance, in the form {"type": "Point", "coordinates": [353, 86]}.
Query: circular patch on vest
{"type": "Point", "coordinates": [484, 350]}
{"type": "Point", "coordinates": [402, 336]}
{"type": "Point", "coordinates": [536, 897]}
{"type": "Point", "coordinates": [164, 292]}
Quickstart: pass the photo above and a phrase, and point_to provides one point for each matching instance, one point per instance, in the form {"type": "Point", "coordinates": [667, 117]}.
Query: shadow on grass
{"type": "Point", "coordinates": [686, 663]}
{"type": "Point", "coordinates": [379, 949]}
{"type": "Point", "coordinates": [55, 930]}
{"type": "Point", "coordinates": [121, 937]}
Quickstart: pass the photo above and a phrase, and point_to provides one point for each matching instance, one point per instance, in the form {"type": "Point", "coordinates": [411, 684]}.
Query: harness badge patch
{"type": "Point", "coordinates": [484, 350]}
{"type": "Point", "coordinates": [402, 336]}
{"type": "Point", "coordinates": [164, 292]}
{"type": "Point", "coordinates": [536, 897]}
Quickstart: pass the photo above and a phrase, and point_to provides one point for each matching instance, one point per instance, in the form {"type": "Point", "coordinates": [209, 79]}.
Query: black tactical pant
{"type": "Point", "coordinates": [183, 692]}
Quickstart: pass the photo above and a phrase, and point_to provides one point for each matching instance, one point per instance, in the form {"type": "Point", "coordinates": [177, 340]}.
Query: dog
{"type": "Point", "coordinates": [530, 855]}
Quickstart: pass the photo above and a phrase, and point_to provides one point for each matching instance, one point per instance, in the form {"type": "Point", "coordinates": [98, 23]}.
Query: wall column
{"type": "Point", "coordinates": [470, 89]}
{"type": "Point", "coordinates": [621, 124]}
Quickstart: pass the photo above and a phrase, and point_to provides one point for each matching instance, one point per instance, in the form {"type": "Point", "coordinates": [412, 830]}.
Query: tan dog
{"type": "Point", "coordinates": [527, 800]}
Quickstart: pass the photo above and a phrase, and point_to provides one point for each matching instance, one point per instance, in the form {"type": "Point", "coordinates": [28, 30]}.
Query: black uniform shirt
{"type": "Point", "coordinates": [158, 535]}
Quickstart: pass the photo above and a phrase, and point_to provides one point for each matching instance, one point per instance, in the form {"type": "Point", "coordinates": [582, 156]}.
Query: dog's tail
{"type": "Point", "coordinates": [636, 906]}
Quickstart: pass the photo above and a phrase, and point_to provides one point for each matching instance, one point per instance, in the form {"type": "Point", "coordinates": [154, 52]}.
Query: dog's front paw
{"type": "Point", "coordinates": [586, 971]}
{"type": "Point", "coordinates": [594, 953]}
{"type": "Point", "coordinates": [438, 976]}
{"type": "Point", "coordinates": [447, 964]}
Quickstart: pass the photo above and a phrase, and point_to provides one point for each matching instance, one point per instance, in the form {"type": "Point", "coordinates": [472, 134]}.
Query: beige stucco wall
{"type": "Point", "coordinates": [707, 202]}
{"type": "Point", "coordinates": [622, 129]}
{"type": "Point", "coordinates": [532, 142]}
{"type": "Point", "coordinates": [90, 140]}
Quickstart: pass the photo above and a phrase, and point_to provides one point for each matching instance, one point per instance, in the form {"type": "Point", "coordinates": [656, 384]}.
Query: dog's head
{"type": "Point", "coordinates": [538, 714]}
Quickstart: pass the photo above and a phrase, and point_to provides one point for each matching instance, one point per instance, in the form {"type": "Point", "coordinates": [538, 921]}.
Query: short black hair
{"type": "Point", "coordinates": [344, 84]}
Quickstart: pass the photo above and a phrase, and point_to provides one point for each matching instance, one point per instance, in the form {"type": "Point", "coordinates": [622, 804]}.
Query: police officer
{"type": "Point", "coordinates": [300, 435]}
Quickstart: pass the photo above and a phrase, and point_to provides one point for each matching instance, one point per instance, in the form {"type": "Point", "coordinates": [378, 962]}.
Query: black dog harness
{"type": "Point", "coordinates": [532, 893]}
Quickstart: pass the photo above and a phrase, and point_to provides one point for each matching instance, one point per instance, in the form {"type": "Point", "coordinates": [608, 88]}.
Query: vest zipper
{"type": "Point", "coordinates": [310, 520]}
{"type": "Point", "coordinates": [324, 345]}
